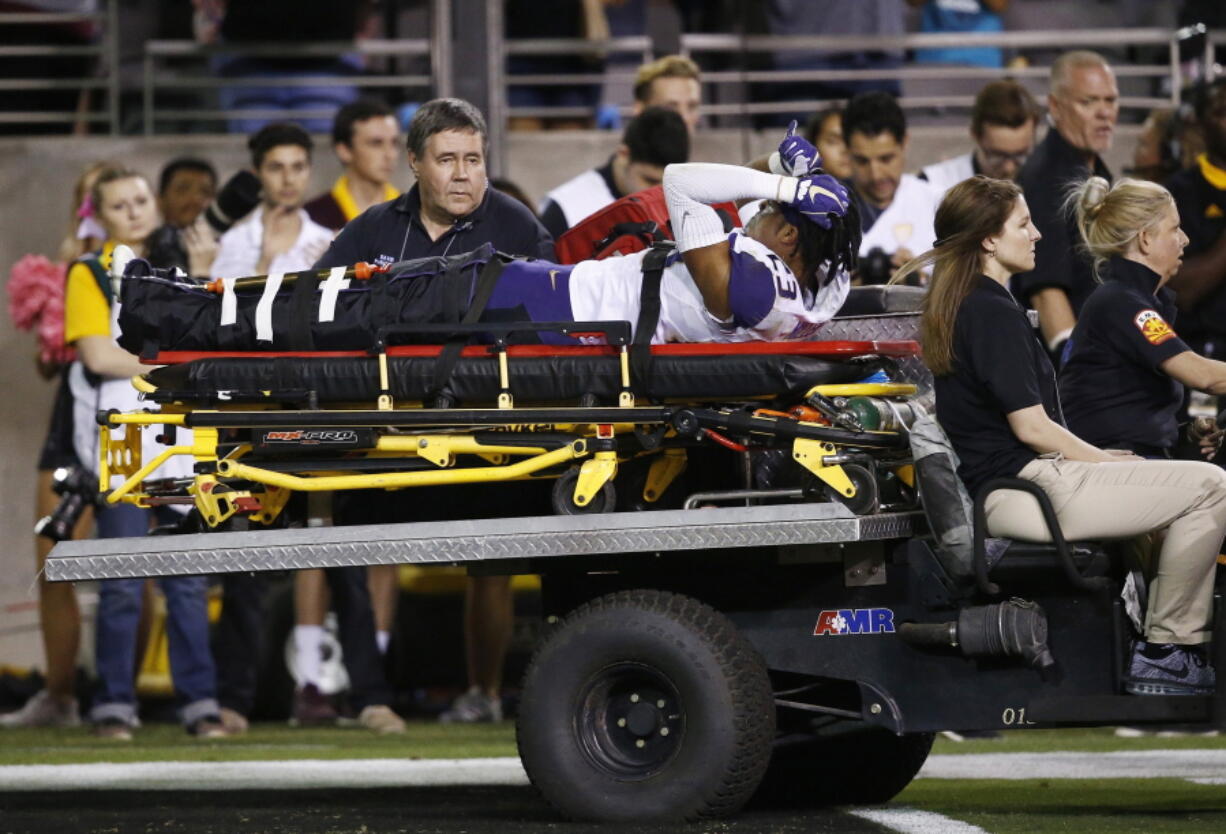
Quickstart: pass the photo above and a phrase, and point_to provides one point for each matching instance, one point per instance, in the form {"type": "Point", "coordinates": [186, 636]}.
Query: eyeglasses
{"type": "Point", "coordinates": [996, 158]}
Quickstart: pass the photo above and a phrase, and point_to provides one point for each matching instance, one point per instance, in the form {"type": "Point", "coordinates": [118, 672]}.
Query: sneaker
{"type": "Point", "coordinates": [43, 711]}
{"type": "Point", "coordinates": [311, 707]}
{"type": "Point", "coordinates": [473, 707]}
{"type": "Point", "coordinates": [381, 719]}
{"type": "Point", "coordinates": [113, 729]}
{"type": "Point", "coordinates": [234, 721]}
{"type": "Point", "coordinates": [1169, 669]}
{"type": "Point", "coordinates": [208, 727]}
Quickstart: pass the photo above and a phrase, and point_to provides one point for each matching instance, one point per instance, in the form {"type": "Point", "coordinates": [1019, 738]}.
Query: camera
{"type": "Point", "coordinates": [78, 489]}
{"type": "Point", "coordinates": [875, 267]}
{"type": "Point", "coordinates": [235, 200]}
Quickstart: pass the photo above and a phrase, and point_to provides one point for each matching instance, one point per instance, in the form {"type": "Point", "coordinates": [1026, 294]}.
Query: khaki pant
{"type": "Point", "coordinates": [1184, 499]}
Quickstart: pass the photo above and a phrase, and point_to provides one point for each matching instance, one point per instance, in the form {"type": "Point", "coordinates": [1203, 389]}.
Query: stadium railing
{"type": "Point", "coordinates": [104, 47]}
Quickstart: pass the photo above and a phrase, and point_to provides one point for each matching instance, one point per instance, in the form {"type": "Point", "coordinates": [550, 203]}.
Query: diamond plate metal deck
{"type": "Point", "coordinates": [458, 542]}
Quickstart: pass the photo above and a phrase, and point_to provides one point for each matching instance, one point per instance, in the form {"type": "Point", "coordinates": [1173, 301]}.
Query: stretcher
{"type": "Point", "coordinates": [267, 425]}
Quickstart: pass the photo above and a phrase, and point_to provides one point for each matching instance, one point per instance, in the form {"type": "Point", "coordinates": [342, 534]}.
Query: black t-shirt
{"type": "Point", "coordinates": [998, 367]}
{"type": "Point", "coordinates": [1200, 195]}
{"type": "Point", "coordinates": [1114, 394]}
{"type": "Point", "coordinates": [1059, 261]}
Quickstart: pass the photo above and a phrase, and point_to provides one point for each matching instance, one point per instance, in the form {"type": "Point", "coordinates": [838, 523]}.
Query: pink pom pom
{"type": "Point", "coordinates": [36, 302]}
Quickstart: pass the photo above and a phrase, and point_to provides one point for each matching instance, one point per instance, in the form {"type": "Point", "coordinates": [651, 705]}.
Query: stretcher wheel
{"type": "Point", "coordinates": [564, 496]}
{"type": "Point", "coordinates": [867, 499]}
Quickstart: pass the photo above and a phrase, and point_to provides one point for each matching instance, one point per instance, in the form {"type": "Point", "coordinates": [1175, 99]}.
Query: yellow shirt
{"type": "Point", "coordinates": [349, 206]}
{"type": "Point", "coordinates": [86, 311]}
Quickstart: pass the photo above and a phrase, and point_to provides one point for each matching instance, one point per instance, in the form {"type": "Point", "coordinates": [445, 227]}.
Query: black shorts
{"type": "Point", "coordinates": [58, 447]}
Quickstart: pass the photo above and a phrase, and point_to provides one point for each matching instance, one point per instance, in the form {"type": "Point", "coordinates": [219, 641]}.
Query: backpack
{"type": "Point", "coordinates": [628, 225]}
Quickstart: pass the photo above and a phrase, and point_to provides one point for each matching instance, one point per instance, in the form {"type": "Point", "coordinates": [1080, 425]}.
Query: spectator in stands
{"type": "Point", "coordinates": [951, 16]}
{"type": "Point", "coordinates": [450, 210]}
{"type": "Point", "coordinates": [1200, 195]}
{"type": "Point", "coordinates": [1157, 153]}
{"type": "Point", "coordinates": [654, 138]}
{"type": "Point", "coordinates": [185, 240]}
{"type": "Point", "coordinates": [825, 131]}
{"type": "Point", "coordinates": [1003, 123]}
{"type": "Point", "coordinates": [100, 380]}
{"type": "Point", "coordinates": [671, 82]}
{"type": "Point", "coordinates": [896, 209]}
{"type": "Point", "coordinates": [277, 236]}
{"type": "Point", "coordinates": [36, 292]}
{"type": "Point", "coordinates": [366, 139]}
{"type": "Point", "coordinates": [1083, 105]}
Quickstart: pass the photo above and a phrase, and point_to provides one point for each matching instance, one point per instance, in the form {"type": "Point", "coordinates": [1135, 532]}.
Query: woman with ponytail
{"type": "Point", "coordinates": [1123, 383]}
{"type": "Point", "coordinates": [997, 399]}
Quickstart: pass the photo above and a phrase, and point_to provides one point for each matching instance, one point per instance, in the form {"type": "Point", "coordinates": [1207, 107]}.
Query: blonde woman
{"type": "Point", "coordinates": [99, 380]}
{"type": "Point", "coordinates": [996, 398]}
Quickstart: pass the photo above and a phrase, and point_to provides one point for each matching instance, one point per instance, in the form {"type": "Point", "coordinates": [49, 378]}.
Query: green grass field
{"type": "Point", "coordinates": [428, 740]}
{"type": "Point", "coordinates": [1142, 805]}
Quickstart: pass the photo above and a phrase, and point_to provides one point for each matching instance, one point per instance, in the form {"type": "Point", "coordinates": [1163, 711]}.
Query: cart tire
{"type": "Point", "coordinates": [564, 496]}
{"type": "Point", "coordinates": [593, 737]}
{"type": "Point", "coordinates": [867, 499]}
{"type": "Point", "coordinates": [861, 767]}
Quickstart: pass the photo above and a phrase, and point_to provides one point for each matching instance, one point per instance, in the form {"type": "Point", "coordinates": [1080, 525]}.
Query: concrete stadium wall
{"type": "Point", "coordinates": [36, 180]}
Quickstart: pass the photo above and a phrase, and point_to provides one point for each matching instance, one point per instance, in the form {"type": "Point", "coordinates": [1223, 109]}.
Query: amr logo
{"type": "Point", "coordinates": [854, 621]}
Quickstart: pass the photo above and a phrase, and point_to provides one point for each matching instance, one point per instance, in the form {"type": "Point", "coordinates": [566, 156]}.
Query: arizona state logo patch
{"type": "Point", "coordinates": [1153, 327]}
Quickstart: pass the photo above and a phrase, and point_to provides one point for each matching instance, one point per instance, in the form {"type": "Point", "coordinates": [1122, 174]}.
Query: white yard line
{"type": "Point", "coordinates": [911, 821]}
{"type": "Point", "coordinates": [283, 775]}
{"type": "Point", "coordinates": [1201, 766]}
{"type": "Point", "coordinates": [1122, 764]}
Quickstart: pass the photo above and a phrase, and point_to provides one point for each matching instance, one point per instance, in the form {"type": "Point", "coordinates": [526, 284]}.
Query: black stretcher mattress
{"type": "Point", "coordinates": [559, 375]}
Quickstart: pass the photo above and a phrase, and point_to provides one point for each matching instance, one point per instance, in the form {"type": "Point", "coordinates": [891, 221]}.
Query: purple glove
{"type": "Point", "coordinates": [818, 199]}
{"type": "Point", "coordinates": [797, 156]}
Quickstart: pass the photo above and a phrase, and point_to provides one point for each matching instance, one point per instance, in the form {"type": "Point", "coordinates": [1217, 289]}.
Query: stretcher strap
{"type": "Point", "coordinates": [332, 287]}
{"type": "Point", "coordinates": [229, 302]}
{"type": "Point", "coordinates": [297, 325]}
{"type": "Point", "coordinates": [447, 358]}
{"type": "Point", "coordinates": [649, 316]}
{"type": "Point", "coordinates": [263, 310]}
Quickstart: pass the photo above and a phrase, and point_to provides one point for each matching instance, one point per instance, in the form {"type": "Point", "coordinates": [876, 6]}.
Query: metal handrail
{"type": "Point", "coordinates": [106, 50]}
{"type": "Point", "coordinates": [740, 44]}
{"type": "Point", "coordinates": [152, 81]}
{"type": "Point", "coordinates": [436, 47]}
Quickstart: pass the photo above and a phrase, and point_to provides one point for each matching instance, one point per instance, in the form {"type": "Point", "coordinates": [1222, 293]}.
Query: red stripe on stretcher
{"type": "Point", "coordinates": [831, 348]}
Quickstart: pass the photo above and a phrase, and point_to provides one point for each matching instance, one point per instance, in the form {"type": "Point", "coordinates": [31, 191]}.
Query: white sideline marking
{"type": "Point", "coordinates": [278, 775]}
{"type": "Point", "coordinates": [1201, 766]}
{"type": "Point", "coordinates": [1120, 764]}
{"type": "Point", "coordinates": [911, 821]}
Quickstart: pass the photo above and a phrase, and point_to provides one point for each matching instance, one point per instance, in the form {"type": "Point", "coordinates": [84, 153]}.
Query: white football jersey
{"type": "Point", "coordinates": [609, 290]}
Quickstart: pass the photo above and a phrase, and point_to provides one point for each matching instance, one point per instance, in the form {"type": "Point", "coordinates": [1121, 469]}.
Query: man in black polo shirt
{"type": "Point", "coordinates": [1084, 106]}
{"type": "Point", "coordinates": [450, 209]}
{"type": "Point", "coordinates": [1200, 195]}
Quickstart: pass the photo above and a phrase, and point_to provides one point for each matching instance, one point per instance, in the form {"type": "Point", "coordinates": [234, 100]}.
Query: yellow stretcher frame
{"type": "Point", "coordinates": [217, 501]}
